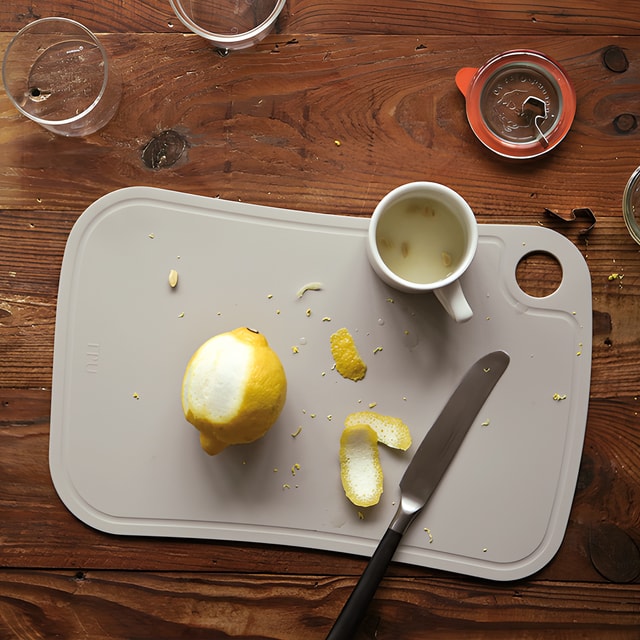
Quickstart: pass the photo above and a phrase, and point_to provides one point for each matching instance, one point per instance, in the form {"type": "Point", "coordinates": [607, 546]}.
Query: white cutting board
{"type": "Point", "coordinates": [124, 460]}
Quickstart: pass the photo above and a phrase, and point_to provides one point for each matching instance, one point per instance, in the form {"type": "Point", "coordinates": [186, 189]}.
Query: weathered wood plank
{"type": "Point", "coordinates": [107, 604]}
{"type": "Point", "coordinates": [261, 126]}
{"type": "Point", "coordinates": [464, 17]}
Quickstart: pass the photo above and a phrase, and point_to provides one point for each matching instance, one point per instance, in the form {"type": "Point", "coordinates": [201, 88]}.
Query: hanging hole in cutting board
{"type": "Point", "coordinates": [539, 274]}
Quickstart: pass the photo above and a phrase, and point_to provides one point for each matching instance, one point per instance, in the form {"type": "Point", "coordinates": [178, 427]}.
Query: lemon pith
{"type": "Point", "coordinates": [360, 469]}
{"type": "Point", "coordinates": [233, 390]}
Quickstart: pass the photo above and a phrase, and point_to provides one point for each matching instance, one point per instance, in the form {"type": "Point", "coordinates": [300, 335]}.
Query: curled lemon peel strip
{"type": "Point", "coordinates": [390, 431]}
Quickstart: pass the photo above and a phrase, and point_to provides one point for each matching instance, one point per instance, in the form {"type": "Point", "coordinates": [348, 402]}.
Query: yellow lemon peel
{"type": "Point", "coordinates": [360, 469]}
{"type": "Point", "coordinates": [233, 390]}
{"type": "Point", "coordinates": [390, 431]}
{"type": "Point", "coordinates": [345, 354]}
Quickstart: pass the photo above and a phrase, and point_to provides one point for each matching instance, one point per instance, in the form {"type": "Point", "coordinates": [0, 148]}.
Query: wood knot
{"type": "Point", "coordinates": [614, 553]}
{"type": "Point", "coordinates": [586, 474]}
{"type": "Point", "coordinates": [164, 149]}
{"type": "Point", "coordinates": [625, 123]}
{"type": "Point", "coordinates": [615, 60]}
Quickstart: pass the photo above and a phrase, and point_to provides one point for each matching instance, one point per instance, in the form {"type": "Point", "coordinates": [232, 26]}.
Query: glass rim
{"type": "Point", "coordinates": [456, 204]}
{"type": "Point", "coordinates": [226, 40]}
{"type": "Point", "coordinates": [56, 123]}
{"type": "Point", "coordinates": [627, 205]}
{"type": "Point", "coordinates": [544, 65]}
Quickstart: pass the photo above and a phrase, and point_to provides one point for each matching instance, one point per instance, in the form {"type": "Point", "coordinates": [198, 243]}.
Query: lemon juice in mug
{"type": "Point", "coordinates": [421, 240]}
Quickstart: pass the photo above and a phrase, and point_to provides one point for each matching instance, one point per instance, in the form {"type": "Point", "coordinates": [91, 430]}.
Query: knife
{"type": "Point", "coordinates": [420, 480]}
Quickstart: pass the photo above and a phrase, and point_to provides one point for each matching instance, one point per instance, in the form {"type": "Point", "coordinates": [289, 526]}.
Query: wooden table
{"type": "Point", "coordinates": [261, 126]}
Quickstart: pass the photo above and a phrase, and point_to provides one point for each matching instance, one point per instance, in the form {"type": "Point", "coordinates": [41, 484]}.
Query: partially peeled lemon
{"type": "Point", "coordinates": [233, 389]}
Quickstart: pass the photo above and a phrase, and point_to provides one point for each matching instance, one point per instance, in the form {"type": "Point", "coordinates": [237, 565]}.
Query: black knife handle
{"type": "Point", "coordinates": [355, 608]}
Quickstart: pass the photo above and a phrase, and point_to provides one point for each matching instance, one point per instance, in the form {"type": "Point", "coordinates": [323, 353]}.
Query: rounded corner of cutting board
{"type": "Point", "coordinates": [73, 501]}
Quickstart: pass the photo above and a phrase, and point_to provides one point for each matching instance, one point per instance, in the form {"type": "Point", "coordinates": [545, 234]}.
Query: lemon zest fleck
{"type": "Point", "coordinates": [310, 286]}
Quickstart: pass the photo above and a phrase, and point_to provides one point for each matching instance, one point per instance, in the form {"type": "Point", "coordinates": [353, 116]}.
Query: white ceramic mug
{"type": "Point", "coordinates": [422, 237]}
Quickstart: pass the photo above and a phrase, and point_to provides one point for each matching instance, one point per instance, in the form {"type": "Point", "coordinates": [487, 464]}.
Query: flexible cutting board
{"type": "Point", "coordinates": [124, 460]}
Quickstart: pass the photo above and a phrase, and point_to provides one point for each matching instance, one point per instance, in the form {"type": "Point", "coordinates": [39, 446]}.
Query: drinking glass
{"type": "Point", "coordinates": [229, 24]}
{"type": "Point", "coordinates": [631, 205]}
{"type": "Point", "coordinates": [56, 72]}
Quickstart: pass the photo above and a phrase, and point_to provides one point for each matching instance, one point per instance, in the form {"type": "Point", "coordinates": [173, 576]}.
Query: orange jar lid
{"type": "Point", "coordinates": [520, 104]}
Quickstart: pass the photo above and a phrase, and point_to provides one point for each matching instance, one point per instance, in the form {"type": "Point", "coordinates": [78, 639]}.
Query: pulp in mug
{"type": "Point", "coordinates": [421, 240]}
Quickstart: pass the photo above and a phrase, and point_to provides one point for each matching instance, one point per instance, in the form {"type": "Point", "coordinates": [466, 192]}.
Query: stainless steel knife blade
{"type": "Point", "coordinates": [426, 469]}
{"type": "Point", "coordinates": [444, 438]}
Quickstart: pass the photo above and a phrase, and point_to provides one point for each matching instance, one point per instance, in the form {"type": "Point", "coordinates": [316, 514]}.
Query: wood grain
{"type": "Point", "coordinates": [261, 126]}
{"type": "Point", "coordinates": [415, 17]}
{"type": "Point", "coordinates": [109, 604]}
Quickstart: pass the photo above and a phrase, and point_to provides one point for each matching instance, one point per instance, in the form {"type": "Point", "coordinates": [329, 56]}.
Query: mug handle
{"type": "Point", "coordinates": [454, 302]}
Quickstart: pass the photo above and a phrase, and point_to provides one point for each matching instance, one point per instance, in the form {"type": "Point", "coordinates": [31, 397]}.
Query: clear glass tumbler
{"type": "Point", "coordinates": [229, 24]}
{"type": "Point", "coordinates": [631, 205]}
{"type": "Point", "coordinates": [56, 72]}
